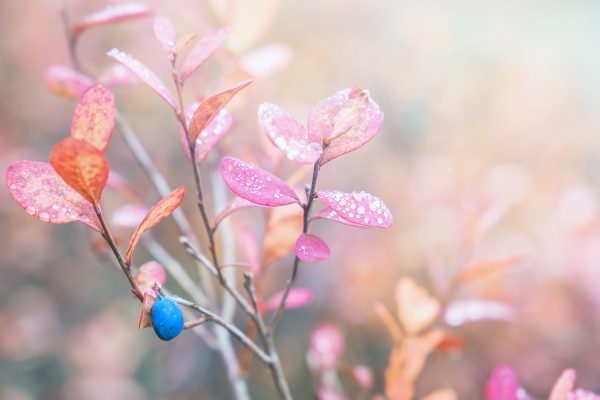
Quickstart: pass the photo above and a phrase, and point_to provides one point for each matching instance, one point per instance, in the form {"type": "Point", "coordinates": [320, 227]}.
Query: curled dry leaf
{"type": "Point", "coordinates": [311, 248]}
{"type": "Point", "coordinates": [256, 185]}
{"type": "Point", "coordinates": [94, 117]}
{"type": "Point", "coordinates": [165, 33]}
{"type": "Point", "coordinates": [112, 14]}
{"type": "Point", "coordinates": [160, 211]}
{"type": "Point", "coordinates": [66, 82]}
{"type": "Point", "coordinates": [209, 108]}
{"type": "Point", "coordinates": [345, 121]}
{"type": "Point", "coordinates": [202, 52]}
{"type": "Point", "coordinates": [360, 208]}
{"type": "Point", "coordinates": [149, 274]}
{"type": "Point", "coordinates": [145, 319]}
{"type": "Point", "coordinates": [38, 189]}
{"type": "Point", "coordinates": [298, 297]}
{"type": "Point", "coordinates": [416, 308]}
{"type": "Point", "coordinates": [282, 231]}
{"type": "Point", "coordinates": [145, 74]}
{"type": "Point", "coordinates": [82, 166]}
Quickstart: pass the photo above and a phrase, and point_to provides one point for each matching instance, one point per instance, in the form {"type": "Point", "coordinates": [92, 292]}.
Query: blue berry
{"type": "Point", "coordinates": [167, 318]}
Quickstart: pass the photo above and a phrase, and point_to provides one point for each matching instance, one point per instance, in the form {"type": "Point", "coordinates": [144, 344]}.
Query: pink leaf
{"type": "Point", "coordinates": [503, 384]}
{"type": "Point", "coordinates": [288, 134]}
{"type": "Point", "coordinates": [165, 34]}
{"type": "Point", "coordinates": [66, 82]}
{"type": "Point", "coordinates": [311, 248]}
{"type": "Point", "coordinates": [298, 297]}
{"type": "Point", "coordinates": [564, 385]}
{"type": "Point", "coordinates": [145, 74]}
{"type": "Point", "coordinates": [149, 274]}
{"type": "Point", "coordinates": [345, 121]}
{"type": "Point", "coordinates": [461, 312]}
{"type": "Point", "coordinates": [256, 185]}
{"type": "Point", "coordinates": [37, 188]}
{"type": "Point", "coordinates": [94, 117]}
{"type": "Point", "coordinates": [202, 51]}
{"type": "Point", "coordinates": [210, 136]}
{"type": "Point", "coordinates": [112, 14]}
{"type": "Point", "coordinates": [328, 213]}
{"type": "Point", "coordinates": [267, 60]}
{"type": "Point", "coordinates": [360, 208]}
{"type": "Point", "coordinates": [327, 345]}
{"type": "Point", "coordinates": [233, 205]}
{"type": "Point", "coordinates": [118, 75]}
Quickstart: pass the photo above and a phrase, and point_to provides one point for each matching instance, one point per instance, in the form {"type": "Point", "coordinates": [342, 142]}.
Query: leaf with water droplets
{"type": "Point", "coordinates": [311, 248]}
{"type": "Point", "coordinates": [233, 205]}
{"type": "Point", "coordinates": [66, 82]}
{"type": "Point", "coordinates": [202, 51]}
{"type": "Point", "coordinates": [328, 213]}
{"type": "Point", "coordinates": [112, 14]}
{"type": "Point", "coordinates": [210, 107]}
{"type": "Point", "coordinates": [298, 297]}
{"type": "Point", "coordinates": [82, 166]}
{"type": "Point", "coordinates": [288, 134]}
{"type": "Point", "coordinates": [38, 189]}
{"type": "Point", "coordinates": [94, 117]}
{"type": "Point", "coordinates": [256, 185]}
{"type": "Point", "coordinates": [165, 33]}
{"type": "Point", "coordinates": [160, 211]}
{"type": "Point", "coordinates": [360, 208]}
{"type": "Point", "coordinates": [145, 74]}
{"type": "Point", "coordinates": [345, 121]}
{"type": "Point", "coordinates": [210, 136]}
{"type": "Point", "coordinates": [148, 274]}
{"type": "Point", "coordinates": [461, 312]}
{"type": "Point", "coordinates": [118, 75]}
{"type": "Point", "coordinates": [503, 384]}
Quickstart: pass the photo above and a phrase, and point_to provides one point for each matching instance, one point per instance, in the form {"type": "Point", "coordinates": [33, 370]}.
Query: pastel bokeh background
{"type": "Point", "coordinates": [489, 151]}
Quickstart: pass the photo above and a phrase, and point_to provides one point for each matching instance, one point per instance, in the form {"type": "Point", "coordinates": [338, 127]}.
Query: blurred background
{"type": "Point", "coordinates": [489, 152]}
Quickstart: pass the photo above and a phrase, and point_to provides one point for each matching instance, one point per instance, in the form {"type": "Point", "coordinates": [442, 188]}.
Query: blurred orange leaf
{"type": "Point", "coordinates": [479, 270]}
{"type": "Point", "coordinates": [442, 394]}
{"type": "Point", "coordinates": [82, 166]}
{"type": "Point", "coordinates": [283, 228]}
{"type": "Point", "coordinates": [160, 211]}
{"type": "Point", "coordinates": [416, 308]}
{"type": "Point", "coordinates": [388, 320]}
{"type": "Point", "coordinates": [94, 117]}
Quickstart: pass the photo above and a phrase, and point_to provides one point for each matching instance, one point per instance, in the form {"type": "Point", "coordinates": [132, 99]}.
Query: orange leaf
{"type": "Point", "coordinates": [94, 117]}
{"type": "Point", "coordinates": [283, 228]}
{"type": "Point", "coordinates": [476, 271]}
{"type": "Point", "coordinates": [210, 107]}
{"type": "Point", "coordinates": [82, 166]}
{"type": "Point", "coordinates": [416, 308]}
{"type": "Point", "coordinates": [160, 211]}
{"type": "Point", "coordinates": [390, 323]}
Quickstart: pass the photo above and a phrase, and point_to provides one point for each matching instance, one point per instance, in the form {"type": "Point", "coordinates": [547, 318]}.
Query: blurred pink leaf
{"type": "Point", "coordinates": [325, 393]}
{"type": "Point", "coordinates": [482, 269]}
{"type": "Point", "coordinates": [564, 385]}
{"type": "Point", "coordinates": [118, 75]}
{"type": "Point", "coordinates": [311, 248]}
{"type": "Point", "coordinates": [128, 216]}
{"type": "Point", "coordinates": [360, 208]}
{"type": "Point", "coordinates": [94, 117]}
{"type": "Point", "coordinates": [298, 297]}
{"type": "Point", "coordinates": [251, 248]}
{"type": "Point", "coordinates": [165, 33]}
{"type": "Point", "coordinates": [256, 185]}
{"type": "Point", "coordinates": [184, 41]}
{"type": "Point", "coordinates": [266, 60]}
{"type": "Point", "coordinates": [503, 384]}
{"type": "Point", "coordinates": [461, 312]}
{"type": "Point", "coordinates": [37, 188]}
{"type": "Point", "coordinates": [145, 74]}
{"type": "Point", "coordinates": [327, 345]}
{"type": "Point", "coordinates": [202, 51]}
{"type": "Point", "coordinates": [237, 203]}
{"type": "Point", "coordinates": [210, 107]}
{"type": "Point", "coordinates": [148, 274]}
{"type": "Point", "coordinates": [363, 375]}
{"type": "Point", "coordinates": [345, 121]}
{"type": "Point", "coordinates": [112, 14]}
{"type": "Point", "coordinates": [66, 82]}
{"type": "Point", "coordinates": [210, 136]}
{"type": "Point", "coordinates": [288, 134]}
{"type": "Point", "coordinates": [328, 213]}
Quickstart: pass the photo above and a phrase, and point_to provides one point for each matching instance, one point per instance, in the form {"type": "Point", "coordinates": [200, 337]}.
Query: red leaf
{"type": "Point", "coordinates": [160, 211]}
{"type": "Point", "coordinates": [149, 274]}
{"type": "Point", "coordinates": [66, 82]}
{"type": "Point", "coordinates": [311, 248]}
{"type": "Point", "coordinates": [288, 134]}
{"type": "Point", "coordinates": [37, 188]}
{"type": "Point", "coordinates": [145, 74]}
{"type": "Point", "coordinates": [328, 213]}
{"type": "Point", "coordinates": [210, 136]}
{"type": "Point", "coordinates": [94, 117]}
{"type": "Point", "coordinates": [298, 297]}
{"type": "Point", "coordinates": [82, 166]}
{"type": "Point", "coordinates": [112, 14]}
{"type": "Point", "coordinates": [165, 34]}
{"type": "Point", "coordinates": [360, 208]}
{"type": "Point", "coordinates": [503, 384]}
{"type": "Point", "coordinates": [256, 185]}
{"type": "Point", "coordinates": [202, 51]}
{"type": "Point", "coordinates": [210, 108]}
{"type": "Point", "coordinates": [346, 121]}
{"type": "Point", "coordinates": [237, 203]}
